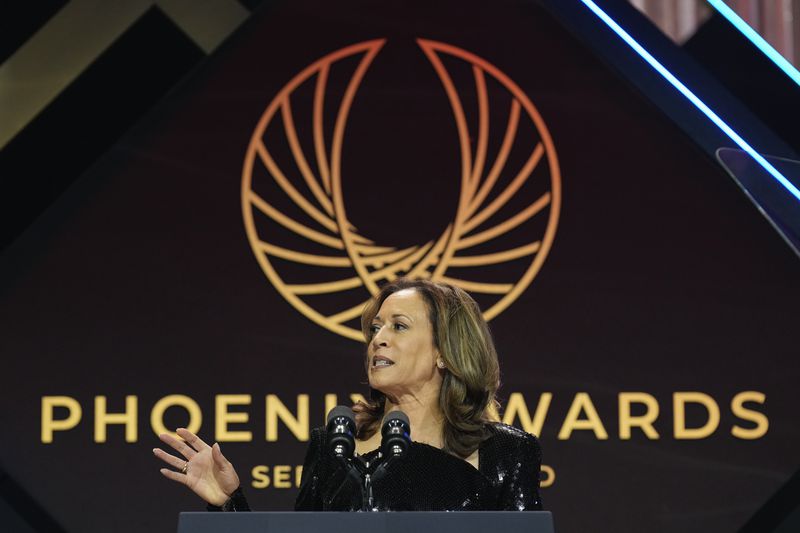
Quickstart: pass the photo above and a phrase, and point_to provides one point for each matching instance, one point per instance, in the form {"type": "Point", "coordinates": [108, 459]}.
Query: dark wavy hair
{"type": "Point", "coordinates": [472, 373]}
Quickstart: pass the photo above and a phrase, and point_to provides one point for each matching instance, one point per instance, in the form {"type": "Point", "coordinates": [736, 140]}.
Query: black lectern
{"type": "Point", "coordinates": [440, 522]}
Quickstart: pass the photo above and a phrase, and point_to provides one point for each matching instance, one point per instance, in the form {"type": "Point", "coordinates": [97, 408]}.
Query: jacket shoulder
{"type": "Point", "coordinates": [504, 431]}
{"type": "Point", "coordinates": [509, 438]}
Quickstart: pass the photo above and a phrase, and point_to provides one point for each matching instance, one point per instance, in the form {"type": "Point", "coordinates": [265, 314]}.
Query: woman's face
{"type": "Point", "coordinates": [402, 356]}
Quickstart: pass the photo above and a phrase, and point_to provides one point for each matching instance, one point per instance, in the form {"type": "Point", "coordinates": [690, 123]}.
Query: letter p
{"type": "Point", "coordinates": [49, 424]}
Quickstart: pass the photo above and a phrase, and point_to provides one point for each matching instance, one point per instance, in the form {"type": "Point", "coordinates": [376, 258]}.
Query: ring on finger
{"type": "Point", "coordinates": [185, 468]}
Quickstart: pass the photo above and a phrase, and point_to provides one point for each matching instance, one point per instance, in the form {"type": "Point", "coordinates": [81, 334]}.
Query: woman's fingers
{"type": "Point", "coordinates": [177, 445]}
{"type": "Point", "coordinates": [219, 459]}
{"type": "Point", "coordinates": [174, 476]}
{"type": "Point", "coordinates": [216, 453]}
{"type": "Point", "coordinates": [169, 458]}
{"type": "Point", "coordinates": [191, 439]}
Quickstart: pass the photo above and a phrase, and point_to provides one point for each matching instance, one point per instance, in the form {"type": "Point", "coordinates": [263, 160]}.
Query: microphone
{"type": "Point", "coordinates": [396, 435]}
{"type": "Point", "coordinates": [341, 429]}
{"type": "Point", "coordinates": [341, 432]}
{"type": "Point", "coordinates": [395, 441]}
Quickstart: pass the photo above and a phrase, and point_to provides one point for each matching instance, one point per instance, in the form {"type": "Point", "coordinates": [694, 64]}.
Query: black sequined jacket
{"type": "Point", "coordinates": [425, 479]}
{"type": "Point", "coordinates": [429, 479]}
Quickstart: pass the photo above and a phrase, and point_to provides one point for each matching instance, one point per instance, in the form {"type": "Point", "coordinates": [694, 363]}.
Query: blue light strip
{"type": "Point", "coordinates": [675, 82]}
{"type": "Point", "coordinates": [756, 39]}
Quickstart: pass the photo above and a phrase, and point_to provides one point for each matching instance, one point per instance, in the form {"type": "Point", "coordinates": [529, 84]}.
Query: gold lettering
{"type": "Point", "coordinates": [517, 408]}
{"type": "Point", "coordinates": [760, 419]}
{"type": "Point", "coordinates": [50, 424]}
{"type": "Point", "coordinates": [281, 477]}
{"type": "Point", "coordinates": [129, 417]}
{"type": "Point", "coordinates": [224, 417]}
{"type": "Point", "coordinates": [175, 400]}
{"type": "Point", "coordinates": [297, 425]}
{"type": "Point", "coordinates": [582, 403]}
{"type": "Point", "coordinates": [645, 421]}
{"type": "Point", "coordinates": [549, 478]}
{"type": "Point", "coordinates": [260, 475]}
{"type": "Point", "coordinates": [679, 401]}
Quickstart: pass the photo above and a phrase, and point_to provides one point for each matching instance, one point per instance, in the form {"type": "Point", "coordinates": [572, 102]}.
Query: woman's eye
{"type": "Point", "coordinates": [374, 328]}
{"type": "Point", "coordinates": [399, 326]}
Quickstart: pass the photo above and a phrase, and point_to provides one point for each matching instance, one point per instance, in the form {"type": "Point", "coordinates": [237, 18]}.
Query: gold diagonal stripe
{"type": "Point", "coordinates": [207, 23]}
{"type": "Point", "coordinates": [483, 288]}
{"type": "Point", "coordinates": [500, 161]}
{"type": "Point", "coordinates": [307, 259]}
{"type": "Point", "coordinates": [56, 55]}
{"type": "Point", "coordinates": [506, 226]}
{"type": "Point", "coordinates": [48, 62]}
{"type": "Point", "coordinates": [499, 257]}
{"type": "Point", "coordinates": [296, 227]}
{"type": "Point", "coordinates": [509, 191]}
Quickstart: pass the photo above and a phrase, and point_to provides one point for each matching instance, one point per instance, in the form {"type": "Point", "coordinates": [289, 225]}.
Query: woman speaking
{"type": "Point", "coordinates": [431, 356]}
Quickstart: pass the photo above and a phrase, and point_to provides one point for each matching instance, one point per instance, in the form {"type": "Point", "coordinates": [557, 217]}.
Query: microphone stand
{"type": "Point", "coordinates": [357, 472]}
{"type": "Point", "coordinates": [341, 427]}
{"type": "Point", "coordinates": [394, 443]}
{"type": "Point", "coordinates": [395, 440]}
{"type": "Point", "coordinates": [377, 475]}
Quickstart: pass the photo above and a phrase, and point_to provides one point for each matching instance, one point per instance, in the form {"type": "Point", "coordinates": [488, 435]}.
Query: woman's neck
{"type": "Point", "coordinates": [424, 416]}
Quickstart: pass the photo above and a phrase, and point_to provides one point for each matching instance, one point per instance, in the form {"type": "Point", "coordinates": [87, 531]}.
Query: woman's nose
{"type": "Point", "coordinates": [380, 337]}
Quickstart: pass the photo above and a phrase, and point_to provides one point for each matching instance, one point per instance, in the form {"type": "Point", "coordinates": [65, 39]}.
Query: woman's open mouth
{"type": "Point", "coordinates": [379, 361]}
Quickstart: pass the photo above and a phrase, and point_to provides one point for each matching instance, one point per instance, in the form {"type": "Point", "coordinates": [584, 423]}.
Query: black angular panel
{"type": "Point", "coordinates": [89, 116]}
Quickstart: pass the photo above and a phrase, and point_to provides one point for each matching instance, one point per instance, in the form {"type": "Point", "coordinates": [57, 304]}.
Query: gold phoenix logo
{"type": "Point", "coordinates": [354, 264]}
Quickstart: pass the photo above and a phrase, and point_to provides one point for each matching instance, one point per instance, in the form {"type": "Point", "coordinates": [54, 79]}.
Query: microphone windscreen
{"type": "Point", "coordinates": [396, 415]}
{"type": "Point", "coordinates": [344, 411]}
{"type": "Point", "coordinates": [396, 434]}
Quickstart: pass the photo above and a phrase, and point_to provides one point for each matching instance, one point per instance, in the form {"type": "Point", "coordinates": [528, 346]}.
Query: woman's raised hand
{"type": "Point", "coordinates": [204, 470]}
